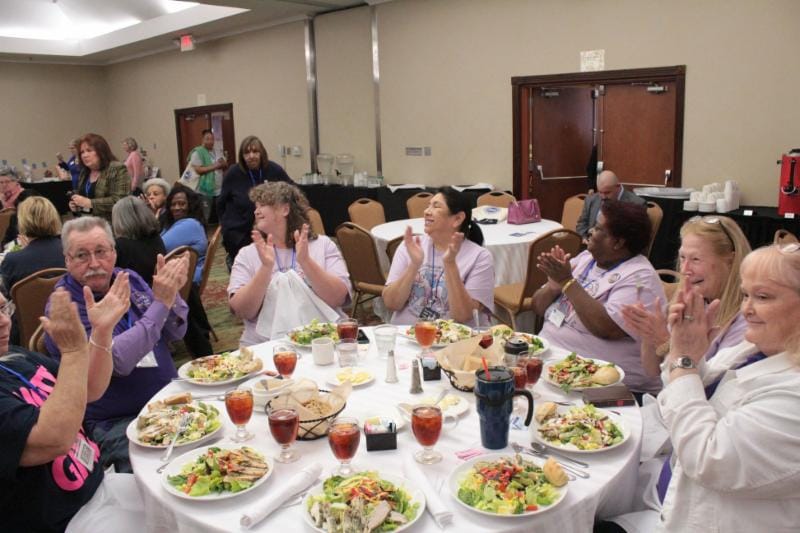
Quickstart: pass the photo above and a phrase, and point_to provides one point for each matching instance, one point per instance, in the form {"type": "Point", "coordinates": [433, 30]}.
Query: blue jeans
{"type": "Point", "coordinates": [114, 445]}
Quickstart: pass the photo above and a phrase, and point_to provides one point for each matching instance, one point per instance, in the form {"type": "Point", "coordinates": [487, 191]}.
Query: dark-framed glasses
{"type": "Point", "coordinates": [715, 221]}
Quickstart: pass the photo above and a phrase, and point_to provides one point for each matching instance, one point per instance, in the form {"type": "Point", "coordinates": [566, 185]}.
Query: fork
{"type": "Point", "coordinates": [571, 471]}
{"type": "Point", "coordinates": [182, 425]}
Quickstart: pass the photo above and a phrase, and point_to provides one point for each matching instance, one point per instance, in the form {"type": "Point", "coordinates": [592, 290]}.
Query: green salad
{"type": "Point", "coordinates": [448, 331]}
{"type": "Point", "coordinates": [361, 502]}
{"type": "Point", "coordinates": [584, 427]}
{"type": "Point", "coordinates": [575, 371]}
{"type": "Point", "coordinates": [158, 425]}
{"type": "Point", "coordinates": [219, 470]}
{"type": "Point", "coordinates": [314, 330]}
{"type": "Point", "coordinates": [507, 486]}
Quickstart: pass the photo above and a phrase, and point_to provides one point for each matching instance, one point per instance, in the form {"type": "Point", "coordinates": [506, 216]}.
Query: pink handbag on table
{"type": "Point", "coordinates": [524, 212]}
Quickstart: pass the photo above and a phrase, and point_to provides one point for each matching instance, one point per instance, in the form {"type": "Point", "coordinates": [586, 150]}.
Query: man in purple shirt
{"type": "Point", "coordinates": [142, 360]}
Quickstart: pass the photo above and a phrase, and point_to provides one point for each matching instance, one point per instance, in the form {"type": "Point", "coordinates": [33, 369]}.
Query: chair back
{"type": "Point", "coordinates": [366, 213]}
{"type": "Point", "coordinates": [568, 240]}
{"type": "Point", "coordinates": [36, 344]}
{"type": "Point", "coordinates": [573, 206]}
{"type": "Point", "coordinates": [30, 295]}
{"type": "Point", "coordinates": [496, 199]}
{"type": "Point", "coordinates": [670, 281]}
{"type": "Point", "coordinates": [184, 292]}
{"type": "Point", "coordinates": [417, 204]}
{"type": "Point", "coordinates": [655, 214]}
{"type": "Point", "coordinates": [5, 219]}
{"type": "Point", "coordinates": [211, 251]}
{"type": "Point", "coordinates": [783, 236]}
{"type": "Point", "coordinates": [360, 254]}
{"type": "Point", "coordinates": [391, 247]}
{"type": "Point", "coordinates": [316, 221]}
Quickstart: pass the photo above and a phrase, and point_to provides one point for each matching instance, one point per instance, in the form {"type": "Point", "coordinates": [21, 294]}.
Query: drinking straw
{"type": "Point", "coordinates": [486, 369]}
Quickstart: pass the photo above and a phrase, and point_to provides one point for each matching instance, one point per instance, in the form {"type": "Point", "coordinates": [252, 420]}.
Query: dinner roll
{"type": "Point", "coordinates": [554, 473]}
{"type": "Point", "coordinates": [544, 411]}
{"type": "Point", "coordinates": [606, 375]}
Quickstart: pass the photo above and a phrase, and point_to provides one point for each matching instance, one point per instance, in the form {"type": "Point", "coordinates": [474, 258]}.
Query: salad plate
{"type": "Point", "coordinates": [576, 373]}
{"type": "Point", "coordinates": [447, 332]}
{"type": "Point", "coordinates": [502, 333]}
{"type": "Point", "coordinates": [302, 336]}
{"type": "Point", "coordinates": [221, 369]}
{"type": "Point", "coordinates": [357, 376]}
{"type": "Point", "coordinates": [159, 426]}
{"type": "Point", "coordinates": [403, 497]}
{"type": "Point", "coordinates": [581, 429]}
{"type": "Point", "coordinates": [469, 482]}
{"type": "Point", "coordinates": [246, 469]}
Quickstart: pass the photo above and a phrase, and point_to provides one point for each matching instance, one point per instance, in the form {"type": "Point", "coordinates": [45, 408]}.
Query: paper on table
{"type": "Point", "coordinates": [297, 483]}
{"type": "Point", "coordinates": [439, 510]}
{"type": "Point", "coordinates": [394, 188]}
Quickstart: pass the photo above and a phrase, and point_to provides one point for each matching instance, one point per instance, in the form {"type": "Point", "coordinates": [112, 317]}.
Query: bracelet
{"type": "Point", "coordinates": [662, 350]}
{"type": "Point", "coordinates": [567, 285]}
{"type": "Point", "coordinates": [105, 349]}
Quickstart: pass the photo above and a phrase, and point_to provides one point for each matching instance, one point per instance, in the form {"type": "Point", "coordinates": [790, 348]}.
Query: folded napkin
{"type": "Point", "coordinates": [481, 185]}
{"type": "Point", "coordinates": [440, 512]}
{"type": "Point", "coordinates": [280, 493]}
{"type": "Point", "coordinates": [394, 188]}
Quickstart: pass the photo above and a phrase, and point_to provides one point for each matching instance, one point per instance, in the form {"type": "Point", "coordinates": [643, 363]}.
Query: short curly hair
{"type": "Point", "coordinates": [279, 193]}
{"type": "Point", "coordinates": [629, 222]}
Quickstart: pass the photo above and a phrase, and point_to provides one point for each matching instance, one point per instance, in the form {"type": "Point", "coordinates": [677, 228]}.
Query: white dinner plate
{"type": "Point", "coordinates": [133, 435]}
{"type": "Point", "coordinates": [306, 346]}
{"type": "Point", "coordinates": [403, 332]}
{"type": "Point", "coordinates": [334, 380]}
{"type": "Point", "coordinates": [174, 468]}
{"type": "Point", "coordinates": [456, 409]}
{"type": "Point", "coordinates": [183, 372]}
{"type": "Point", "coordinates": [415, 493]}
{"type": "Point", "coordinates": [528, 338]}
{"type": "Point", "coordinates": [461, 471]}
{"type": "Point", "coordinates": [546, 374]}
{"type": "Point", "coordinates": [626, 433]}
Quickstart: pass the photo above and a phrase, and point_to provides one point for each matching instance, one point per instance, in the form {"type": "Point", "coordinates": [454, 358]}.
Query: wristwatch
{"type": "Point", "coordinates": [684, 362]}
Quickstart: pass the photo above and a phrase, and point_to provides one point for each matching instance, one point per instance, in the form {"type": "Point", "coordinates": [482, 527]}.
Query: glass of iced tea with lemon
{"type": "Point", "coordinates": [285, 358]}
{"type": "Point", "coordinates": [239, 404]}
{"type": "Point", "coordinates": [425, 332]}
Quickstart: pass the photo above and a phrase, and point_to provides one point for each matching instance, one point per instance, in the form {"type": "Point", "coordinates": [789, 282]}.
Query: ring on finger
{"type": "Point", "coordinates": [688, 318]}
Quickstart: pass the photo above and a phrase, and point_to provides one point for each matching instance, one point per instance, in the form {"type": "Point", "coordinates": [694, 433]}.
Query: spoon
{"type": "Point", "coordinates": [538, 447]}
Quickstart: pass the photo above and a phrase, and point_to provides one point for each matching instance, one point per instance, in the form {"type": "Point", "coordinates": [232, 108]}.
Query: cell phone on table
{"type": "Point", "coordinates": [362, 337]}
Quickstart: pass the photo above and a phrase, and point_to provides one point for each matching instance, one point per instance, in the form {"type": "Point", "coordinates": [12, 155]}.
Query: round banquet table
{"type": "Point", "coordinates": [508, 244]}
{"type": "Point", "coordinates": [608, 492]}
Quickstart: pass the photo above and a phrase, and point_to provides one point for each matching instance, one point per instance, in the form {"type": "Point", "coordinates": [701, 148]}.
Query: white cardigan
{"type": "Point", "coordinates": [737, 455]}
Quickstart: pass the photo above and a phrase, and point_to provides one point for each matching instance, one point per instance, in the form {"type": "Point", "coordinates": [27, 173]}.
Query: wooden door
{"type": "Point", "coordinates": [190, 134]}
{"type": "Point", "coordinates": [639, 115]}
{"type": "Point", "coordinates": [190, 123]}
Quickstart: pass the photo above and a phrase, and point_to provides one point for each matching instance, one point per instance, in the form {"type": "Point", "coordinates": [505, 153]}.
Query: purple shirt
{"type": "Point", "coordinates": [475, 264]}
{"type": "Point", "coordinates": [629, 282]}
{"type": "Point", "coordinates": [148, 326]}
{"type": "Point", "coordinates": [730, 336]}
{"type": "Point", "coordinates": [321, 250]}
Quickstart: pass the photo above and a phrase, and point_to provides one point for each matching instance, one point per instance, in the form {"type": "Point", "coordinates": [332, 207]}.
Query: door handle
{"type": "Point", "coordinates": [667, 176]}
{"type": "Point", "coordinates": [541, 171]}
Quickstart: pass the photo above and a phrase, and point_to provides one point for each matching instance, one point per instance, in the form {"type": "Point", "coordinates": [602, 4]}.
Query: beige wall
{"type": "Point", "coordinates": [44, 107]}
{"type": "Point", "coordinates": [445, 83]}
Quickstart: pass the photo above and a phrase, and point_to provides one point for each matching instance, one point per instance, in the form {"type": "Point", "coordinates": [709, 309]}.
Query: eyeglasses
{"type": "Point", "coordinates": [8, 308]}
{"type": "Point", "coordinates": [716, 221]}
{"type": "Point", "coordinates": [84, 256]}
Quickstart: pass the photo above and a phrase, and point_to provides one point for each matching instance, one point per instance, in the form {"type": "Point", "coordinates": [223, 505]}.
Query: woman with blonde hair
{"type": "Point", "coordinates": [288, 275]}
{"type": "Point", "coordinates": [709, 259]}
{"type": "Point", "coordinates": [133, 162]}
{"type": "Point", "coordinates": [39, 232]}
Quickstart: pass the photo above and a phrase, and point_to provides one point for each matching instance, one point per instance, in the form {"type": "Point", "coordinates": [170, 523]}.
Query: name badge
{"type": "Point", "coordinates": [555, 316]}
{"type": "Point", "coordinates": [85, 453]}
{"type": "Point", "coordinates": [428, 314]}
{"type": "Point", "coordinates": [148, 361]}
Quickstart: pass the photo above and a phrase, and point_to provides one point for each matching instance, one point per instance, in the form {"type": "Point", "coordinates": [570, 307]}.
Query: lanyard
{"type": "Point", "coordinates": [25, 380]}
{"type": "Point", "coordinates": [278, 260]}
{"type": "Point", "coordinates": [434, 282]}
{"type": "Point", "coordinates": [253, 178]}
{"type": "Point", "coordinates": [589, 267]}
{"type": "Point", "coordinates": [87, 186]}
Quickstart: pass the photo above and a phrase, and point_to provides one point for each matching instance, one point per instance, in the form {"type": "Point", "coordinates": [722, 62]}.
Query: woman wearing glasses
{"type": "Point", "coordinates": [711, 252]}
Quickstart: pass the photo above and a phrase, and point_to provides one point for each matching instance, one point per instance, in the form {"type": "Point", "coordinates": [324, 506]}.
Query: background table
{"type": "Point", "coordinates": [55, 191]}
{"type": "Point", "coordinates": [608, 492]}
{"type": "Point", "coordinates": [510, 253]}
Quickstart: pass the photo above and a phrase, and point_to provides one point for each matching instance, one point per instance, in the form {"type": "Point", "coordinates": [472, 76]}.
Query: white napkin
{"type": "Point", "coordinates": [394, 188]}
{"type": "Point", "coordinates": [280, 493]}
{"type": "Point", "coordinates": [481, 185]}
{"type": "Point", "coordinates": [289, 303]}
{"type": "Point", "coordinates": [440, 512]}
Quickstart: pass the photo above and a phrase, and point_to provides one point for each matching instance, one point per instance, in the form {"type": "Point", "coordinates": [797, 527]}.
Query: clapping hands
{"type": "Point", "coordinates": [105, 314]}
{"type": "Point", "coordinates": [691, 322]}
{"type": "Point", "coordinates": [413, 247]}
{"type": "Point", "coordinates": [64, 325]}
{"type": "Point", "coordinates": [170, 276]}
{"type": "Point", "coordinates": [555, 265]}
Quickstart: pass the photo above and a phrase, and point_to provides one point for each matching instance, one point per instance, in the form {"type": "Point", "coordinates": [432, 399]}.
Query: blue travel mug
{"type": "Point", "coordinates": [495, 399]}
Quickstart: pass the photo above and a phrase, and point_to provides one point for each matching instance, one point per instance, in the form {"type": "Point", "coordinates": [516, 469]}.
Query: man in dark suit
{"type": "Point", "coordinates": [608, 187]}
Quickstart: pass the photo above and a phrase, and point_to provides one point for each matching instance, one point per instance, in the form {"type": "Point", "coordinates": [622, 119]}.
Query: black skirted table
{"type": "Point", "coordinates": [759, 227]}
{"type": "Point", "coordinates": [55, 191]}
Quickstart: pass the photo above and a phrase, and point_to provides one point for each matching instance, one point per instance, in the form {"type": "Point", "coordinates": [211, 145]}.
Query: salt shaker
{"type": "Point", "coordinates": [391, 369]}
{"type": "Point", "coordinates": [416, 381]}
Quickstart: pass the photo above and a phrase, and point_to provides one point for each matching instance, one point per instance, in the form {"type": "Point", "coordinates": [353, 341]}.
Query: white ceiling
{"type": "Point", "coordinates": [101, 32]}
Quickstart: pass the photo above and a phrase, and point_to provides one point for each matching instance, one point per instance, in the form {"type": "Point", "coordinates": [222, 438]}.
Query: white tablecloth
{"type": "Point", "coordinates": [608, 492]}
{"type": "Point", "coordinates": [510, 252]}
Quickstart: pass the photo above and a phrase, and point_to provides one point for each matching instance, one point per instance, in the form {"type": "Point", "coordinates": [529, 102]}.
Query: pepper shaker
{"type": "Point", "coordinates": [416, 381]}
{"type": "Point", "coordinates": [391, 369]}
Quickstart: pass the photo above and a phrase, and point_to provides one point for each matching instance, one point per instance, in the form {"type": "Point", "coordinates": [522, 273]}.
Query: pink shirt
{"type": "Point", "coordinates": [475, 264]}
{"type": "Point", "coordinates": [633, 280]}
{"type": "Point", "coordinates": [322, 250]}
{"type": "Point", "coordinates": [135, 168]}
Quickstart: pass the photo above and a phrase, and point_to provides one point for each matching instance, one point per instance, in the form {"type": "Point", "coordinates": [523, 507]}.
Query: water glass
{"type": "Point", "coordinates": [347, 350]}
{"type": "Point", "coordinates": [385, 339]}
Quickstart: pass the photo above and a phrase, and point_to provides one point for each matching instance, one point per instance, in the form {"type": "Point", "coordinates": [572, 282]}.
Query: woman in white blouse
{"type": "Point", "coordinates": [735, 464]}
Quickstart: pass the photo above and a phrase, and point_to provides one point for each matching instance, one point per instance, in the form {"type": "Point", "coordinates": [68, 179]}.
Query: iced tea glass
{"type": "Point", "coordinates": [343, 437]}
{"type": "Point", "coordinates": [285, 358]}
{"type": "Point", "coordinates": [347, 328]}
{"type": "Point", "coordinates": [425, 333]}
{"type": "Point", "coordinates": [283, 424]}
{"type": "Point", "coordinates": [487, 339]}
{"type": "Point", "coordinates": [520, 380]}
{"type": "Point", "coordinates": [239, 404]}
{"type": "Point", "coordinates": [533, 370]}
{"type": "Point", "coordinates": [426, 424]}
